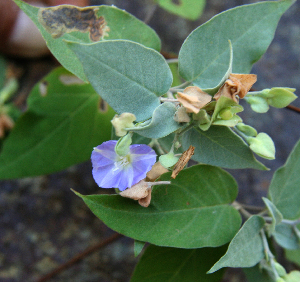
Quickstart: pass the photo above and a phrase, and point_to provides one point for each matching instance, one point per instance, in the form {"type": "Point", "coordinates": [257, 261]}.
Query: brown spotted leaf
{"type": "Point", "coordinates": [86, 25]}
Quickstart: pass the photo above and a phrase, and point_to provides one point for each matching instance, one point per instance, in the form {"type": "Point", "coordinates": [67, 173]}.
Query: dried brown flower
{"type": "Point", "coordinates": [193, 99]}
{"type": "Point", "coordinates": [156, 171]}
{"type": "Point", "coordinates": [236, 85]}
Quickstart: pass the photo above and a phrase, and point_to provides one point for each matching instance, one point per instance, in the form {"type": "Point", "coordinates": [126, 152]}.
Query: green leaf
{"type": "Point", "coordinates": [275, 214]}
{"type": "Point", "coordinates": [293, 256]}
{"type": "Point", "coordinates": [122, 76]}
{"type": "Point", "coordinates": [246, 248]}
{"type": "Point", "coordinates": [221, 147]}
{"type": "Point", "coordinates": [60, 128]}
{"type": "Point", "coordinates": [280, 97]}
{"type": "Point", "coordinates": [214, 90]}
{"type": "Point", "coordinates": [177, 80]}
{"type": "Point", "coordinates": [203, 57]}
{"type": "Point", "coordinates": [284, 187]}
{"type": "Point", "coordinates": [161, 124]}
{"type": "Point", "coordinates": [262, 145]}
{"type": "Point", "coordinates": [138, 247]}
{"type": "Point", "coordinates": [161, 264]}
{"type": "Point", "coordinates": [191, 212]}
{"type": "Point", "coordinates": [257, 274]}
{"type": "Point", "coordinates": [258, 104]}
{"type": "Point", "coordinates": [119, 25]}
{"type": "Point", "coordinates": [286, 236]}
{"type": "Point", "coordinates": [189, 9]}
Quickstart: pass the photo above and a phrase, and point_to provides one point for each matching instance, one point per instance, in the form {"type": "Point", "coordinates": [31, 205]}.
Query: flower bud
{"type": "Point", "coordinates": [121, 122]}
{"type": "Point", "coordinates": [226, 113]}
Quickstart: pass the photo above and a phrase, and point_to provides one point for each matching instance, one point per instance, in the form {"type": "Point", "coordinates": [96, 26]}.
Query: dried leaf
{"type": "Point", "coordinates": [185, 157]}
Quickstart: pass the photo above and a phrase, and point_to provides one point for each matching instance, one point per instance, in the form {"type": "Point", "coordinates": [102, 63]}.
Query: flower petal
{"type": "Point", "coordinates": [113, 171]}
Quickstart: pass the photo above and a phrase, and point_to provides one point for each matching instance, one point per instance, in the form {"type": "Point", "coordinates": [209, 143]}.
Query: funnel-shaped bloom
{"type": "Point", "coordinates": [113, 171]}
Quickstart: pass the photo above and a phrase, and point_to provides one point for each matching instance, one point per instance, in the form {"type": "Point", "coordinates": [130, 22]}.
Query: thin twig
{"type": "Point", "coordinates": [172, 100]}
{"type": "Point", "coordinates": [240, 208]}
{"type": "Point", "coordinates": [293, 108]}
{"type": "Point", "coordinates": [79, 257]}
{"type": "Point", "coordinates": [286, 221]}
{"type": "Point", "coordinates": [250, 207]}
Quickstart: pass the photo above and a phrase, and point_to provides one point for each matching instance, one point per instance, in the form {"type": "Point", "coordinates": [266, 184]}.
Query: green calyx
{"type": "Point", "coordinates": [122, 146]}
{"type": "Point", "coordinates": [168, 160]}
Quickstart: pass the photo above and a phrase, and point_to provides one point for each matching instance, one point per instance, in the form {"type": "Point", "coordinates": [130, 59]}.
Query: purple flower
{"type": "Point", "coordinates": [113, 171]}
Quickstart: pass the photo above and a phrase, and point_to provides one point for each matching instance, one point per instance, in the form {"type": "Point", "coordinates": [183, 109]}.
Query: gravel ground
{"type": "Point", "coordinates": [43, 224]}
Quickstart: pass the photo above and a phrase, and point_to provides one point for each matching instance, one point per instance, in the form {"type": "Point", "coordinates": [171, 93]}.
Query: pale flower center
{"type": "Point", "coordinates": [122, 162]}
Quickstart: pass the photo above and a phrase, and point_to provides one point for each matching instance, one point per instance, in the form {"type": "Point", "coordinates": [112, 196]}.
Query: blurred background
{"type": "Point", "coordinates": [43, 224]}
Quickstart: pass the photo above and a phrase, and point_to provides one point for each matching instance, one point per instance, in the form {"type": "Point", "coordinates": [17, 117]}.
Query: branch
{"type": "Point", "coordinates": [79, 257]}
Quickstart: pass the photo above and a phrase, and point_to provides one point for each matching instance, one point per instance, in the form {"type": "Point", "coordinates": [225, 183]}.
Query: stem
{"type": "Point", "coordinates": [8, 90]}
{"type": "Point", "coordinates": [254, 93]}
{"type": "Point", "coordinates": [170, 95]}
{"type": "Point", "coordinates": [172, 100]}
{"type": "Point", "coordinates": [240, 208]}
{"type": "Point", "coordinates": [173, 143]}
{"type": "Point", "coordinates": [175, 89]}
{"type": "Point", "coordinates": [286, 221]}
{"type": "Point", "coordinates": [293, 108]}
{"type": "Point", "coordinates": [244, 136]}
{"type": "Point", "coordinates": [155, 143]}
{"type": "Point", "coordinates": [254, 208]}
{"type": "Point", "coordinates": [150, 14]}
{"type": "Point", "coordinates": [170, 61]}
{"type": "Point", "coordinates": [159, 183]}
{"type": "Point", "coordinates": [269, 255]}
{"type": "Point", "coordinates": [187, 128]}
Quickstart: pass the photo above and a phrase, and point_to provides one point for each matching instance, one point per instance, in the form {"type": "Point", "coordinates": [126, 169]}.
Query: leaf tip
{"type": "Point", "coordinates": [76, 193]}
